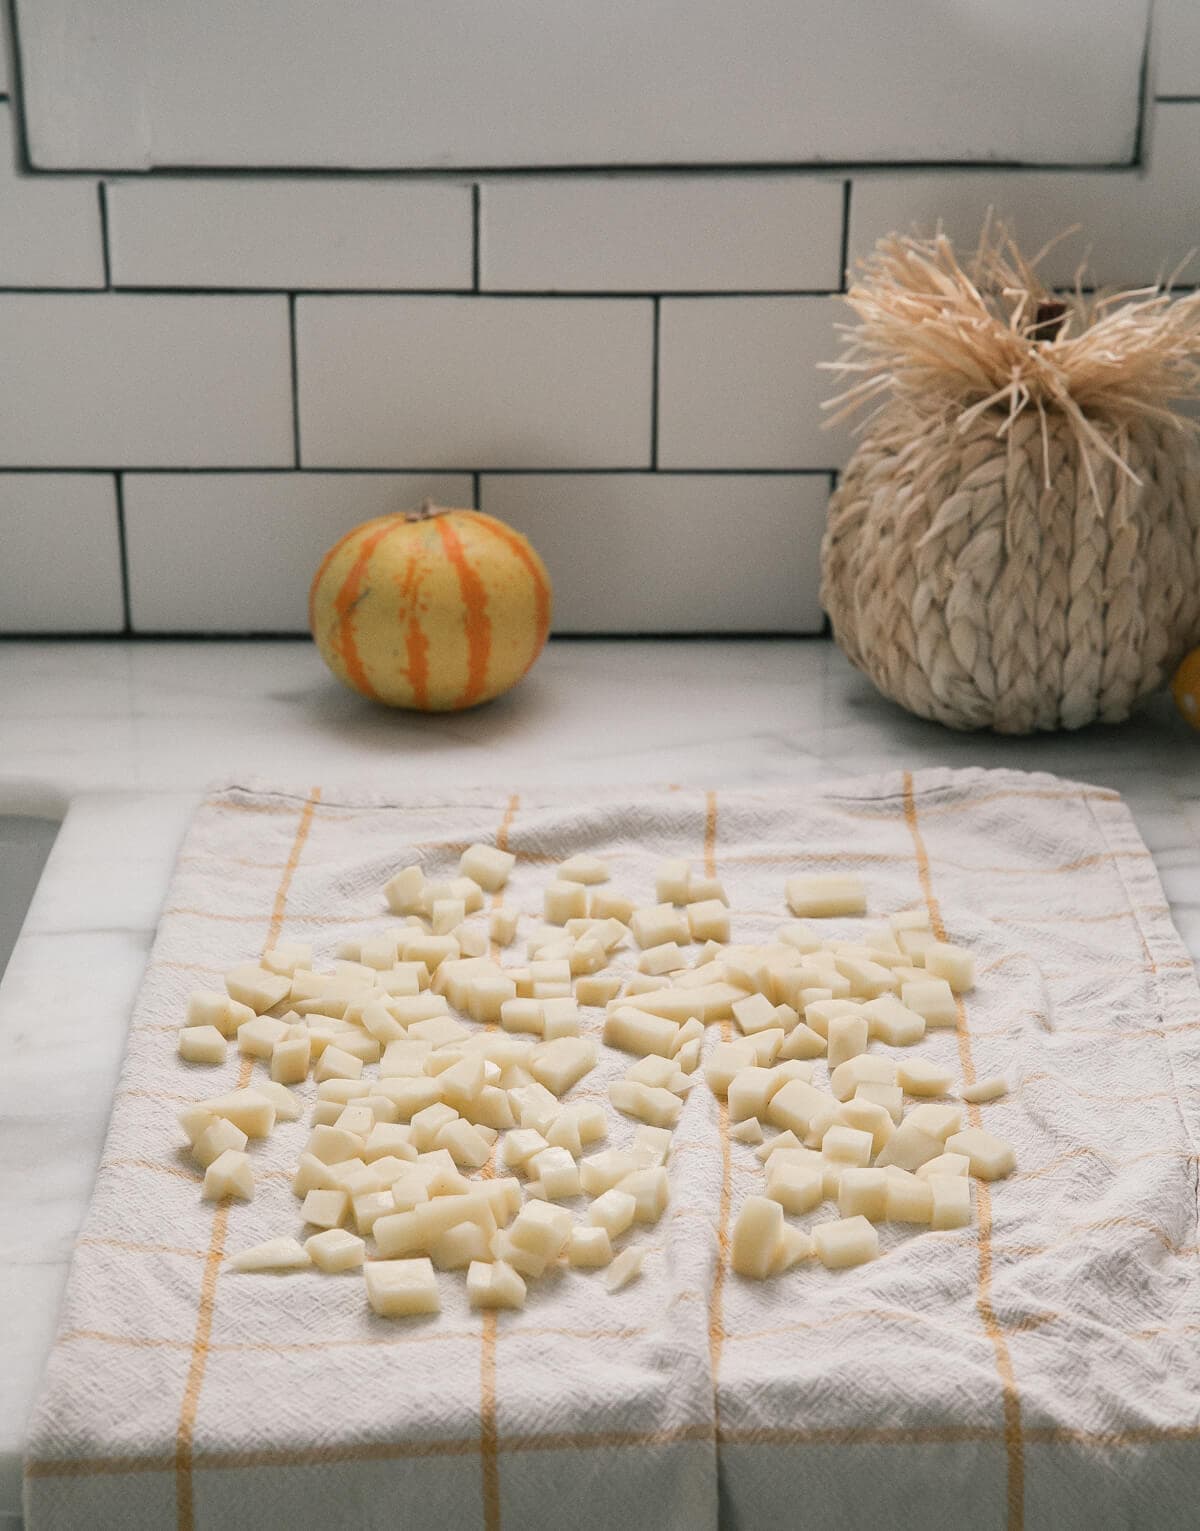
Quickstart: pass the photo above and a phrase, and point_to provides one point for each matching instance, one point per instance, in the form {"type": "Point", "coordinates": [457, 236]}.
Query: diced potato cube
{"type": "Point", "coordinates": [847, 1145]}
{"type": "Point", "coordinates": [494, 1285]}
{"type": "Point", "coordinates": [589, 1248]}
{"type": "Point", "coordinates": [608, 904]}
{"type": "Point", "coordinates": [991, 1158]}
{"type": "Point", "coordinates": [209, 1007]}
{"type": "Point", "coordinates": [253, 985]}
{"type": "Point", "coordinates": [404, 891]}
{"type": "Point", "coordinates": [487, 865]}
{"type": "Point", "coordinates": [560, 1018]}
{"type": "Point", "coordinates": [542, 1229]}
{"type": "Point", "coordinates": [688, 1056]}
{"type": "Point", "coordinates": [795, 1187]}
{"type": "Point", "coordinates": [333, 1145]}
{"type": "Point", "coordinates": [274, 1255]}
{"type": "Point", "coordinates": [991, 1088]}
{"type": "Point", "coordinates": [822, 895]}
{"type": "Point", "coordinates": [335, 1249]}
{"type": "Point", "coordinates": [325, 1209]}
{"type": "Point", "coordinates": [908, 1147]}
{"type": "Point", "coordinates": [653, 1070]}
{"type": "Point", "coordinates": [247, 1109]}
{"type": "Point", "coordinates": [754, 1013]}
{"type": "Point", "coordinates": [797, 1105]}
{"type": "Point", "coordinates": [635, 1031]}
{"type": "Point", "coordinates": [864, 1068]}
{"type": "Point", "coordinates": [659, 1107]}
{"type": "Point", "coordinates": [428, 1123]}
{"type": "Point", "coordinates": [563, 901]}
{"type": "Point", "coordinates": [750, 1092]}
{"type": "Point", "coordinates": [757, 1233]}
{"type": "Point", "coordinates": [661, 959]}
{"type": "Point", "coordinates": [671, 882]}
{"type": "Point", "coordinates": [202, 1044]}
{"type": "Point", "coordinates": [614, 1210]}
{"type": "Point", "coordinates": [821, 1012]}
{"type": "Point", "coordinates": [600, 1172]}
{"type": "Point", "coordinates": [863, 1193]}
{"type": "Point", "coordinates": [311, 1174]}
{"type": "Point", "coordinates": [848, 1241]}
{"type": "Point", "coordinates": [652, 925]}
{"type": "Point", "coordinates": [708, 920]}
{"type": "Point", "coordinates": [460, 1246]}
{"type": "Point", "coordinates": [802, 937]}
{"type": "Point", "coordinates": [921, 1076]}
{"type": "Point", "coordinates": [724, 1062]}
{"type": "Point", "coordinates": [944, 1164]}
{"type": "Point", "coordinates": [558, 1173]}
{"type": "Point", "coordinates": [400, 1288]}
{"type": "Point", "coordinates": [892, 1022]}
{"type": "Point", "coordinates": [624, 1269]}
{"type": "Point", "coordinates": [870, 1117]}
{"type": "Point", "coordinates": [650, 1190]}
{"type": "Point", "coordinates": [446, 915]}
{"type": "Point", "coordinates": [867, 979]}
{"type": "Point", "coordinates": [290, 1059]}
{"type": "Point", "coordinates": [521, 1145]}
{"type": "Point", "coordinates": [583, 868]}
{"type": "Point", "coordinates": [651, 1145]}
{"type": "Point", "coordinates": [220, 1135]}
{"type": "Point", "coordinates": [562, 1063]}
{"type": "Point", "coordinates": [889, 1096]}
{"type": "Point", "coordinates": [908, 1198]}
{"type": "Point", "coordinates": [951, 1204]}
{"type": "Point", "coordinates": [953, 963]}
{"type": "Point", "coordinates": [466, 1144]}
{"type": "Point", "coordinates": [597, 989]}
{"type": "Point", "coordinates": [802, 1042]}
{"type": "Point", "coordinates": [522, 1015]}
{"type": "Point", "coordinates": [336, 1063]}
{"type": "Point", "coordinates": [229, 1174]}
{"type": "Point", "coordinates": [747, 1131]}
{"type": "Point", "coordinates": [938, 1121]}
{"type": "Point", "coordinates": [933, 999]}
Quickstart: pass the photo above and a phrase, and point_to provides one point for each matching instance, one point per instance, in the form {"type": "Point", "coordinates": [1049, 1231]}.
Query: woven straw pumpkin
{"type": "Point", "coordinates": [1015, 544]}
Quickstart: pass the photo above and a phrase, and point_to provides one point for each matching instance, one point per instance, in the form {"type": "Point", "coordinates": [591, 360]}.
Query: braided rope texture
{"type": "Point", "coordinates": [977, 580]}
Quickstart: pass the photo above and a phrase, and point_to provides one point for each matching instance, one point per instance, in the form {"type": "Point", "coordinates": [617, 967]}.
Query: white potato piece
{"type": "Point", "coordinates": [213, 1141]}
{"type": "Point", "coordinates": [708, 920]}
{"type": "Point", "coordinates": [541, 1229]}
{"type": "Point", "coordinates": [253, 1112]}
{"type": "Point", "coordinates": [757, 1233]}
{"type": "Point", "coordinates": [908, 1198]}
{"type": "Point", "coordinates": [794, 1186]}
{"type": "Point", "coordinates": [862, 1192]}
{"type": "Point", "coordinates": [461, 1246]}
{"type": "Point", "coordinates": [991, 1158]}
{"type": "Point", "coordinates": [867, 979]}
{"type": "Point", "coordinates": [658, 1107]}
{"type": "Point", "coordinates": [921, 1076]}
{"type": "Point", "coordinates": [991, 1088]}
{"type": "Point", "coordinates": [656, 924]}
{"type": "Point", "coordinates": [336, 1249]}
{"type": "Point", "coordinates": [862, 1068]}
{"type": "Point", "coordinates": [337, 1063]}
{"type": "Point", "coordinates": [747, 1131]}
{"type": "Point", "coordinates": [229, 1174]}
{"type": "Point", "coordinates": [889, 1096]}
{"type": "Point", "coordinates": [848, 1241]}
{"type": "Point", "coordinates": [750, 1092]}
{"type": "Point", "coordinates": [608, 904]}
{"type": "Point", "coordinates": [797, 1105]}
{"type": "Point", "coordinates": [486, 865]}
{"type": "Point", "coordinates": [688, 1056]}
{"type": "Point", "coordinates": [802, 1042]}
{"type": "Point", "coordinates": [650, 1189]}
{"type": "Point", "coordinates": [932, 998]}
{"type": "Point", "coordinates": [209, 1007]}
{"type": "Point", "coordinates": [953, 963]}
{"type": "Point", "coordinates": [754, 1013]}
{"type": "Point", "coordinates": [939, 1121]}
{"type": "Point", "coordinates": [636, 1031]}
{"type": "Point", "coordinates": [202, 1044]}
{"type": "Point", "coordinates": [847, 1145]}
{"type": "Point", "coordinates": [600, 1172]}
{"type": "Point", "coordinates": [944, 1164]}
{"type": "Point", "coordinates": [589, 1248]}
{"type": "Point", "coordinates": [867, 1116]}
{"type": "Point", "coordinates": [274, 1255]}
{"type": "Point", "coordinates": [563, 901]}
{"type": "Point", "coordinates": [325, 1208]}
{"type": "Point", "coordinates": [494, 1284]}
{"type": "Point", "coordinates": [651, 1145]}
{"type": "Point", "coordinates": [403, 892]}
{"type": "Point", "coordinates": [666, 958]}
{"type": "Point", "coordinates": [290, 1059]}
{"type": "Point", "coordinates": [817, 896]}
{"type": "Point", "coordinates": [951, 1204]}
{"type": "Point", "coordinates": [613, 1210]}
{"type": "Point", "coordinates": [559, 1064]}
{"type": "Point", "coordinates": [583, 868]}
{"type": "Point", "coordinates": [724, 1063]}
{"type": "Point", "coordinates": [558, 1173]}
{"type": "Point", "coordinates": [401, 1288]}
{"type": "Point", "coordinates": [820, 1012]}
{"type": "Point", "coordinates": [712, 1002]}
{"type": "Point", "coordinates": [597, 989]}
{"type": "Point", "coordinates": [908, 1147]}
{"type": "Point", "coordinates": [671, 879]}
{"type": "Point", "coordinates": [624, 1269]}
{"type": "Point", "coordinates": [794, 1246]}
{"type": "Point", "coordinates": [255, 986]}
{"type": "Point", "coordinates": [891, 1021]}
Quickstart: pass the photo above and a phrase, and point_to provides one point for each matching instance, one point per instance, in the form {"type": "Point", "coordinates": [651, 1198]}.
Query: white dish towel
{"type": "Point", "coordinates": [1040, 1369]}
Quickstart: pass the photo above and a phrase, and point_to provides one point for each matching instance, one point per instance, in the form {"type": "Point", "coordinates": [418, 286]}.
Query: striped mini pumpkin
{"type": "Point", "coordinates": [432, 609]}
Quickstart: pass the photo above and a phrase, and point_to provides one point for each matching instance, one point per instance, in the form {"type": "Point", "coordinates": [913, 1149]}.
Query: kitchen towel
{"type": "Point", "coordinates": [1039, 1368]}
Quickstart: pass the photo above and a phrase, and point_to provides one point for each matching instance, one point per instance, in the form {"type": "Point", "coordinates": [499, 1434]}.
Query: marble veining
{"type": "Point", "coordinates": [121, 738]}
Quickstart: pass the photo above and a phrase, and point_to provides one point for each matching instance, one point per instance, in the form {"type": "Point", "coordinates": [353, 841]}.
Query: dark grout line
{"type": "Point", "coordinates": [315, 470]}
{"type": "Point", "coordinates": [123, 548]}
{"type": "Point", "coordinates": [844, 257]}
{"type": "Point", "coordinates": [295, 372]}
{"type": "Point", "coordinates": [506, 295]}
{"type": "Point", "coordinates": [476, 490]}
{"type": "Point", "coordinates": [475, 250]}
{"type": "Point", "coordinates": [654, 362]}
{"type": "Point", "coordinates": [1178, 100]}
{"type": "Point", "coordinates": [297, 636]}
{"type": "Point", "coordinates": [102, 190]}
{"type": "Point", "coordinates": [1143, 93]}
{"type": "Point", "coordinates": [17, 92]}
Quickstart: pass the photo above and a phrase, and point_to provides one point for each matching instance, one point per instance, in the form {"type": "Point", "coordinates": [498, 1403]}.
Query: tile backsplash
{"type": "Point", "coordinates": [225, 351]}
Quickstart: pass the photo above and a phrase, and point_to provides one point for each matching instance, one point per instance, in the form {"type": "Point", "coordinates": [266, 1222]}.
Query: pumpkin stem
{"type": "Point", "coordinates": [428, 509]}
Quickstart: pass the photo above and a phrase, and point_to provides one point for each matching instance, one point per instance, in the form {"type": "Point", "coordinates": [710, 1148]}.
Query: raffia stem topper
{"type": "Point", "coordinates": [1015, 543]}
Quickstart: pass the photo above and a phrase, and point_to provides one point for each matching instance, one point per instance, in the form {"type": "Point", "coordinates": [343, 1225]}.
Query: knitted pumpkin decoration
{"type": "Point", "coordinates": [1015, 543]}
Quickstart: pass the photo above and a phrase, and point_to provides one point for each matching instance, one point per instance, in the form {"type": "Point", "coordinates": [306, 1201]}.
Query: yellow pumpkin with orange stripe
{"type": "Point", "coordinates": [433, 609]}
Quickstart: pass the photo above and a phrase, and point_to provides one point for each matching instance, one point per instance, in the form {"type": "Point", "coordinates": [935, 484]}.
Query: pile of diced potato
{"type": "Point", "coordinates": [459, 1150]}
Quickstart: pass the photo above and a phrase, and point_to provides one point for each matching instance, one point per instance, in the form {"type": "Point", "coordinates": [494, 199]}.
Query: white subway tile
{"type": "Point", "coordinates": [49, 225]}
{"type": "Point", "coordinates": [1138, 223]}
{"type": "Point", "coordinates": [209, 232]}
{"type": "Point", "coordinates": [123, 381]}
{"type": "Point", "coordinates": [1176, 48]}
{"type": "Point", "coordinates": [236, 552]}
{"type": "Point", "coordinates": [669, 553]}
{"type": "Point", "coordinates": [738, 384]}
{"type": "Point", "coordinates": [394, 382]}
{"type": "Point", "coordinates": [61, 566]}
{"type": "Point", "coordinates": [661, 233]}
{"type": "Point", "coordinates": [543, 83]}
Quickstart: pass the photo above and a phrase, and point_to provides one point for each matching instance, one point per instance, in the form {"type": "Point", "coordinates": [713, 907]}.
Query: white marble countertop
{"type": "Point", "coordinates": [121, 738]}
